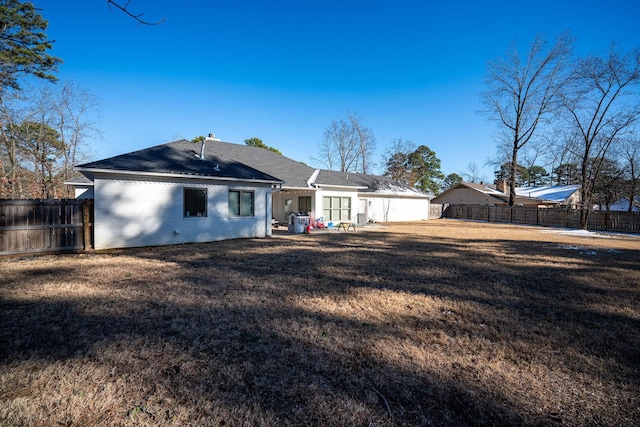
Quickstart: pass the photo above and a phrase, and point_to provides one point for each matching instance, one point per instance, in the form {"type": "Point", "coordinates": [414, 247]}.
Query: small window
{"type": "Point", "coordinates": [195, 202]}
{"type": "Point", "coordinates": [241, 203]}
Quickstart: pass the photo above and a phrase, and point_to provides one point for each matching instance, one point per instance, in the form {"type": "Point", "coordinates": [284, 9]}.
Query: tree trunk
{"type": "Point", "coordinates": [633, 184]}
{"type": "Point", "coordinates": [512, 173]}
{"type": "Point", "coordinates": [585, 195]}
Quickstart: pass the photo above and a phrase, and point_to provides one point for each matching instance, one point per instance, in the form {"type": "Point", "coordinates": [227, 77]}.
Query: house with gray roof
{"type": "Point", "coordinates": [553, 195]}
{"type": "Point", "coordinates": [182, 192]}
{"type": "Point", "coordinates": [329, 195]}
{"type": "Point", "coordinates": [486, 194]}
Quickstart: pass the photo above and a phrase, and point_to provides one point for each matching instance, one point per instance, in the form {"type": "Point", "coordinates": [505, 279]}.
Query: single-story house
{"type": "Point", "coordinates": [485, 194]}
{"type": "Point", "coordinates": [469, 193]}
{"type": "Point", "coordinates": [553, 195]}
{"type": "Point", "coordinates": [182, 192]}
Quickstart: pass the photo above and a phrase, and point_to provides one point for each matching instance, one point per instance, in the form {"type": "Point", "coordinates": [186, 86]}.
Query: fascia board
{"type": "Point", "coordinates": [398, 195]}
{"type": "Point", "coordinates": [175, 175]}
{"type": "Point", "coordinates": [350, 187]}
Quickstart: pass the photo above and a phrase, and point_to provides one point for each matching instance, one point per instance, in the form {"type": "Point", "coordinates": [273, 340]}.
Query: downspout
{"type": "Point", "coordinates": [269, 194]}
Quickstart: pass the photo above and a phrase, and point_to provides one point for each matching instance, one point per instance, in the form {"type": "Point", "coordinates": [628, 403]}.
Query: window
{"type": "Point", "coordinates": [304, 203]}
{"type": "Point", "coordinates": [241, 203]}
{"type": "Point", "coordinates": [195, 202]}
{"type": "Point", "coordinates": [337, 208]}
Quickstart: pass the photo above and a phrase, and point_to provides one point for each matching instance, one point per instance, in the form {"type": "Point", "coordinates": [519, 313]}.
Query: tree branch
{"type": "Point", "coordinates": [137, 17]}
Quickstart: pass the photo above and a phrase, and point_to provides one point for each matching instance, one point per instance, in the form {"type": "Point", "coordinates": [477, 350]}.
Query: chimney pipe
{"type": "Point", "coordinates": [202, 150]}
{"type": "Point", "coordinates": [211, 137]}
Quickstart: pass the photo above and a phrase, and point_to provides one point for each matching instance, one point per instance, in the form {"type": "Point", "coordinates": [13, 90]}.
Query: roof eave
{"type": "Point", "coordinates": [78, 184]}
{"type": "Point", "coordinates": [412, 195]}
{"type": "Point", "coordinates": [177, 175]}
{"type": "Point", "coordinates": [354, 187]}
{"type": "Point", "coordinates": [287, 187]}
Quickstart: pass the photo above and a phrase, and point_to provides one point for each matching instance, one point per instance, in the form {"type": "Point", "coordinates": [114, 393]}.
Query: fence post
{"type": "Point", "coordinates": [86, 224]}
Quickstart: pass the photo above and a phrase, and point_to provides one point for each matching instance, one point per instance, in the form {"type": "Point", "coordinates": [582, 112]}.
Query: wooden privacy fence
{"type": "Point", "coordinates": [625, 222]}
{"type": "Point", "coordinates": [31, 226]}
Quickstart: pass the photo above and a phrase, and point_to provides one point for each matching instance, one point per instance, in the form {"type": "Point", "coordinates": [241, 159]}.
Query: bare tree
{"type": "Point", "coordinates": [136, 16]}
{"type": "Point", "coordinates": [74, 111]}
{"type": "Point", "coordinates": [602, 106]}
{"type": "Point", "coordinates": [473, 174]}
{"type": "Point", "coordinates": [337, 146]}
{"type": "Point", "coordinates": [347, 145]}
{"type": "Point", "coordinates": [522, 93]}
{"type": "Point", "coordinates": [46, 133]}
{"type": "Point", "coordinates": [365, 140]}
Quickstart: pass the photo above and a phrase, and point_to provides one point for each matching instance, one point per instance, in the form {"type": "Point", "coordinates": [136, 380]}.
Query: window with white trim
{"type": "Point", "coordinates": [337, 208]}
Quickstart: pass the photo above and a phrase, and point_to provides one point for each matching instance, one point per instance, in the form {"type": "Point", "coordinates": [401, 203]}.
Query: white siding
{"type": "Point", "coordinates": [383, 208]}
{"type": "Point", "coordinates": [318, 203]}
{"type": "Point", "coordinates": [83, 192]}
{"type": "Point", "coordinates": [149, 212]}
{"type": "Point", "coordinates": [394, 209]}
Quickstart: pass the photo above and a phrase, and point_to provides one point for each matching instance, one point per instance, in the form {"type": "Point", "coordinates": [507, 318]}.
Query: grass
{"type": "Point", "coordinates": [434, 323]}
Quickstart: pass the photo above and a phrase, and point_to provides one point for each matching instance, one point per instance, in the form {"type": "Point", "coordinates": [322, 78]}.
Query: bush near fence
{"type": "Point", "coordinates": [625, 222]}
{"type": "Point", "coordinates": [38, 225]}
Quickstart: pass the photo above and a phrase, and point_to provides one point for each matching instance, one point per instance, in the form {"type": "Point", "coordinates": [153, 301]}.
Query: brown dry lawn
{"type": "Point", "coordinates": [434, 323]}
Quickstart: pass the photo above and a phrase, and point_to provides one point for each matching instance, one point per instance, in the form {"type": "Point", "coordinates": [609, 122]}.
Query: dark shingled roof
{"type": "Point", "coordinates": [242, 162]}
{"type": "Point", "coordinates": [373, 183]}
{"type": "Point", "coordinates": [181, 158]}
{"type": "Point", "coordinates": [293, 173]}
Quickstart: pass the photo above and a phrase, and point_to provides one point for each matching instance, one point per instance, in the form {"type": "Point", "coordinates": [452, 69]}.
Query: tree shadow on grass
{"type": "Point", "coordinates": [236, 343]}
{"type": "Point", "coordinates": [239, 362]}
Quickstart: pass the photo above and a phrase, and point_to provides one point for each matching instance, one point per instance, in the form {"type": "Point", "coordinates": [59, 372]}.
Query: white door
{"type": "Point", "coordinates": [363, 205]}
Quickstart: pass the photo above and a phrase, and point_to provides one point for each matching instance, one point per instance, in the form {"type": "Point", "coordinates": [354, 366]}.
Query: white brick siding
{"type": "Point", "coordinates": [394, 209]}
{"type": "Point", "coordinates": [149, 212]}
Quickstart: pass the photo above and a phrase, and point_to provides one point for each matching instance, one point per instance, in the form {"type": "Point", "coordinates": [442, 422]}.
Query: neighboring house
{"type": "Point", "coordinates": [485, 194]}
{"type": "Point", "coordinates": [190, 192]}
{"type": "Point", "coordinates": [553, 195]}
{"type": "Point", "coordinates": [467, 193]}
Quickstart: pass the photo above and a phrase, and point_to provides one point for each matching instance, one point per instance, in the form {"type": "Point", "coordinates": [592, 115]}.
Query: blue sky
{"type": "Point", "coordinates": [283, 70]}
